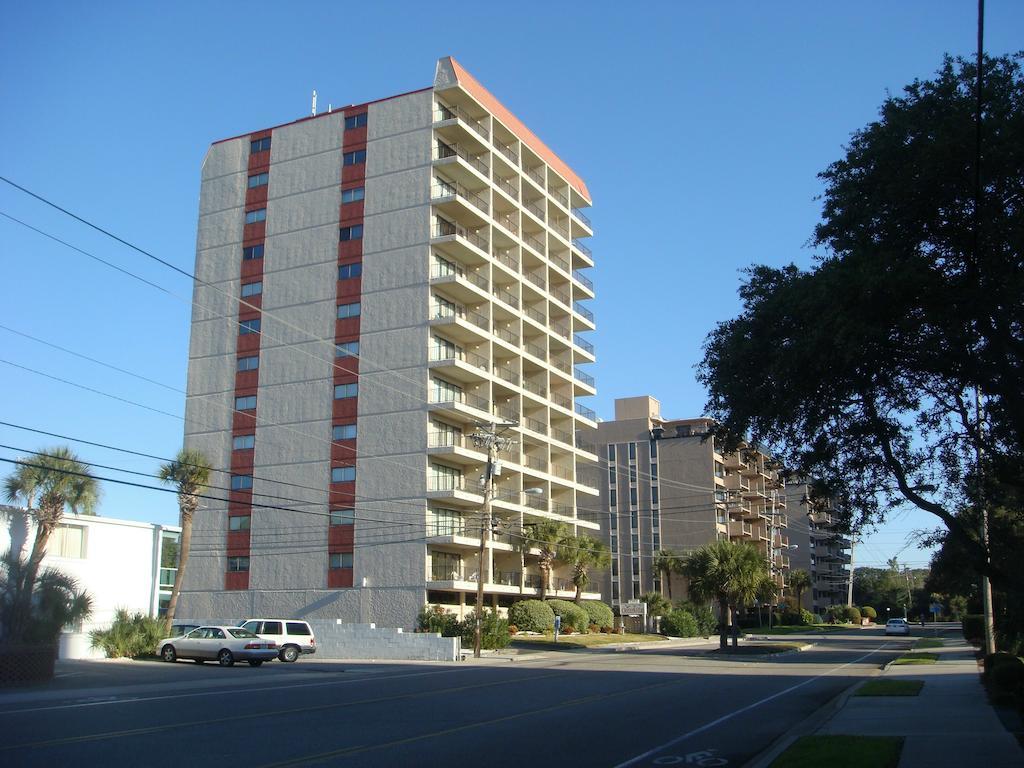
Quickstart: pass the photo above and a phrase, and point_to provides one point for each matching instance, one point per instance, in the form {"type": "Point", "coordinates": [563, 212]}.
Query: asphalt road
{"type": "Point", "coordinates": [647, 708]}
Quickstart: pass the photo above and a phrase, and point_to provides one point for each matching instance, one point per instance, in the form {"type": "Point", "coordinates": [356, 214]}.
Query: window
{"type": "Point", "coordinates": [251, 289]}
{"type": "Point", "coordinates": [443, 478]}
{"type": "Point", "coordinates": [615, 567]}
{"type": "Point", "coordinates": [654, 449]}
{"type": "Point", "coordinates": [615, 592]}
{"type": "Point", "coordinates": [655, 494]}
{"type": "Point", "coordinates": [632, 451]}
{"type": "Point", "coordinates": [247, 403]}
{"type": "Point", "coordinates": [348, 310]}
{"type": "Point", "coordinates": [347, 349]}
{"type": "Point", "coordinates": [634, 519]}
{"type": "Point", "coordinates": [355, 232]}
{"type": "Point", "coordinates": [654, 471]}
{"type": "Point", "coordinates": [298, 628]}
{"type": "Point", "coordinates": [343, 432]}
{"type": "Point", "coordinates": [238, 564]}
{"type": "Point", "coordinates": [636, 589]}
{"type": "Point", "coordinates": [243, 442]}
{"type": "Point", "coordinates": [345, 271]}
{"type": "Point", "coordinates": [719, 469]}
{"type": "Point", "coordinates": [613, 521]}
{"type": "Point", "coordinates": [259, 180]}
{"type": "Point", "coordinates": [249, 326]}
{"type": "Point", "coordinates": [241, 482]}
{"type": "Point", "coordinates": [445, 522]}
{"type": "Point", "coordinates": [248, 363]}
{"type": "Point", "coordinates": [611, 452]}
{"type": "Point", "coordinates": [614, 546]}
{"type": "Point", "coordinates": [260, 145]}
{"type": "Point", "coordinates": [342, 391]}
{"type": "Point", "coordinates": [353, 195]}
{"type": "Point", "coordinates": [67, 541]}
{"type": "Point", "coordinates": [656, 541]}
{"type": "Point", "coordinates": [343, 474]}
{"type": "Point", "coordinates": [632, 497]}
{"type": "Point", "coordinates": [636, 564]}
{"type": "Point", "coordinates": [252, 252]}
{"type": "Point", "coordinates": [343, 517]}
{"type": "Point", "coordinates": [632, 473]}
{"type": "Point", "coordinates": [355, 121]}
{"type": "Point", "coordinates": [239, 522]}
{"type": "Point", "coordinates": [442, 391]}
{"type": "Point", "coordinates": [341, 560]}
{"type": "Point", "coordinates": [613, 498]}
{"type": "Point", "coordinates": [354, 158]}
{"type": "Point", "coordinates": [611, 475]}
{"type": "Point", "coordinates": [634, 542]}
{"type": "Point", "coordinates": [252, 217]}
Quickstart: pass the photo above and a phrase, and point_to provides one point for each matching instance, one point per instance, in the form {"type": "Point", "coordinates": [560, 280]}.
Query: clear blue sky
{"type": "Point", "coordinates": [699, 128]}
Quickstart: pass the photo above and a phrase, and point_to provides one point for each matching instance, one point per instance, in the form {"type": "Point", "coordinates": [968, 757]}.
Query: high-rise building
{"type": "Point", "coordinates": [373, 283]}
{"type": "Point", "coordinates": [822, 549]}
{"type": "Point", "coordinates": [670, 485]}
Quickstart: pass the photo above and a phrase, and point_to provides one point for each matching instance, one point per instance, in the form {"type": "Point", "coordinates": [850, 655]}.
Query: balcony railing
{"type": "Point", "coordinates": [581, 248]}
{"type": "Point", "coordinates": [507, 257]}
{"type": "Point", "coordinates": [537, 426]}
{"type": "Point", "coordinates": [562, 296]}
{"type": "Point", "coordinates": [448, 483]}
{"type": "Point", "coordinates": [587, 413]}
{"type": "Point", "coordinates": [560, 197]}
{"type": "Point", "coordinates": [443, 312]}
{"type": "Point", "coordinates": [532, 581]}
{"type": "Point", "coordinates": [446, 439]}
{"type": "Point", "coordinates": [535, 387]}
{"type": "Point", "coordinates": [535, 314]}
{"type": "Point", "coordinates": [562, 329]}
{"type": "Point", "coordinates": [535, 349]}
{"type": "Point", "coordinates": [561, 226]}
{"type": "Point", "coordinates": [438, 271]}
{"type": "Point", "coordinates": [583, 279]}
{"type": "Point", "coordinates": [563, 472]}
{"type": "Point", "coordinates": [509, 153]}
{"type": "Point", "coordinates": [582, 343]}
{"type": "Point", "coordinates": [559, 262]}
{"type": "Point", "coordinates": [537, 174]}
{"type": "Point", "coordinates": [561, 435]}
{"type": "Point", "coordinates": [443, 151]}
{"type": "Point", "coordinates": [446, 112]}
{"type": "Point", "coordinates": [561, 400]}
{"type": "Point", "coordinates": [445, 228]}
{"type": "Point", "coordinates": [580, 215]}
{"type": "Point", "coordinates": [506, 335]}
{"type": "Point", "coordinates": [441, 189]}
{"type": "Point", "coordinates": [507, 374]}
{"type": "Point", "coordinates": [446, 527]}
{"type": "Point", "coordinates": [581, 310]}
{"type": "Point", "coordinates": [507, 296]}
{"type": "Point", "coordinates": [506, 186]}
{"type": "Point", "coordinates": [506, 412]}
{"type": "Point", "coordinates": [534, 207]}
{"type": "Point", "coordinates": [442, 353]}
{"type": "Point", "coordinates": [446, 573]}
{"type": "Point", "coordinates": [586, 378]}
{"type": "Point", "coordinates": [541, 465]}
{"type": "Point", "coordinates": [585, 445]}
{"type": "Point", "coordinates": [562, 365]}
{"type": "Point", "coordinates": [508, 223]}
{"type": "Point", "coordinates": [534, 242]}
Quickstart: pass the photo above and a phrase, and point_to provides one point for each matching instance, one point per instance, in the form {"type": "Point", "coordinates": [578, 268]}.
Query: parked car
{"type": "Point", "coordinates": [293, 637]}
{"type": "Point", "coordinates": [223, 644]}
{"type": "Point", "coordinates": [897, 627]}
{"type": "Point", "coordinates": [177, 630]}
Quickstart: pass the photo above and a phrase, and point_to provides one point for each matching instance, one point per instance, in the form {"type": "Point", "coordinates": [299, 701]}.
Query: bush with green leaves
{"type": "Point", "coordinates": [532, 616]}
{"type": "Point", "coordinates": [657, 604]}
{"type": "Point", "coordinates": [434, 618]}
{"type": "Point", "coordinates": [574, 618]}
{"type": "Point", "coordinates": [599, 613]}
{"type": "Point", "coordinates": [707, 624]}
{"type": "Point", "coordinates": [679, 623]}
{"type": "Point", "coordinates": [493, 630]}
{"type": "Point", "coordinates": [974, 627]}
{"type": "Point", "coordinates": [868, 612]}
{"type": "Point", "coordinates": [130, 636]}
{"type": "Point", "coordinates": [852, 614]}
{"type": "Point", "coordinates": [801, 618]}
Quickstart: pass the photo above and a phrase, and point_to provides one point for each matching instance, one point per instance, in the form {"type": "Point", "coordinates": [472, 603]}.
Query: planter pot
{"type": "Point", "coordinates": [26, 664]}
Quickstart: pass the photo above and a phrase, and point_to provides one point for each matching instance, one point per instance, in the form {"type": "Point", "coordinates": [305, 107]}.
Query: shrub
{"type": "Point", "coordinates": [868, 612]}
{"type": "Point", "coordinates": [816, 618]}
{"type": "Point", "coordinates": [493, 630]}
{"type": "Point", "coordinates": [1007, 678]}
{"type": "Point", "coordinates": [679, 623]}
{"type": "Point", "coordinates": [802, 618]}
{"type": "Point", "coordinates": [130, 636]}
{"type": "Point", "coordinates": [532, 616]}
{"type": "Point", "coordinates": [657, 604]}
{"type": "Point", "coordinates": [434, 618]}
{"type": "Point", "coordinates": [707, 624]}
{"type": "Point", "coordinates": [837, 614]}
{"type": "Point", "coordinates": [998, 659]}
{"type": "Point", "coordinates": [599, 613]}
{"type": "Point", "coordinates": [852, 614]}
{"type": "Point", "coordinates": [574, 618]}
{"type": "Point", "coordinates": [974, 627]}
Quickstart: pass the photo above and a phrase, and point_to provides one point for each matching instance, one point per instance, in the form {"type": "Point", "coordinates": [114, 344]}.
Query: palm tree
{"type": "Point", "coordinates": [666, 562]}
{"type": "Point", "coordinates": [799, 581]}
{"type": "Point", "coordinates": [189, 472]}
{"type": "Point", "coordinates": [57, 601]}
{"type": "Point", "coordinates": [728, 573]}
{"type": "Point", "coordinates": [583, 552]}
{"type": "Point", "coordinates": [56, 479]}
{"type": "Point", "coordinates": [765, 591]}
{"type": "Point", "coordinates": [547, 536]}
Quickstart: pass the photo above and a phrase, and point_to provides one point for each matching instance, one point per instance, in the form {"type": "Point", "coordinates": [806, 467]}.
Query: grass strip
{"type": "Point", "coordinates": [885, 687]}
{"type": "Point", "coordinates": [917, 658]}
{"type": "Point", "coordinates": [582, 641]}
{"type": "Point", "coordinates": [841, 752]}
{"type": "Point", "coordinates": [796, 629]}
{"type": "Point", "coordinates": [929, 642]}
{"type": "Point", "coordinates": [752, 649]}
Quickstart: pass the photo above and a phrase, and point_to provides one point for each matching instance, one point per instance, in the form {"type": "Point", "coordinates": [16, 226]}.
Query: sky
{"type": "Point", "coordinates": [698, 127]}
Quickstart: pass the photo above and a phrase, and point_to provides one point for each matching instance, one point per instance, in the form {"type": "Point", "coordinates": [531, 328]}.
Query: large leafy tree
{"type": "Point", "coordinates": [584, 552]}
{"type": "Point", "coordinates": [189, 473]}
{"type": "Point", "coordinates": [547, 537]}
{"type": "Point", "coordinates": [47, 483]}
{"type": "Point", "coordinates": [861, 371]}
{"type": "Point", "coordinates": [729, 574]}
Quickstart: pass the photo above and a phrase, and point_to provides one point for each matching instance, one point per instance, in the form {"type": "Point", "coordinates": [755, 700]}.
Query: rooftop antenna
{"type": "Point", "coordinates": [314, 102]}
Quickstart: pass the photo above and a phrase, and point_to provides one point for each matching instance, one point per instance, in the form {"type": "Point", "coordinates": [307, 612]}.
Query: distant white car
{"type": "Point", "coordinates": [223, 644]}
{"type": "Point", "coordinates": [897, 627]}
{"type": "Point", "coordinates": [294, 637]}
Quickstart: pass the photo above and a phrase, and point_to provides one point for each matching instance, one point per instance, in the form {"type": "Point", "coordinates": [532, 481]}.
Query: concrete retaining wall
{"type": "Point", "coordinates": [335, 640]}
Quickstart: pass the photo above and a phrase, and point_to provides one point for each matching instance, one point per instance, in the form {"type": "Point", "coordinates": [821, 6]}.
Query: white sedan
{"type": "Point", "coordinates": [223, 644]}
{"type": "Point", "coordinates": [897, 627]}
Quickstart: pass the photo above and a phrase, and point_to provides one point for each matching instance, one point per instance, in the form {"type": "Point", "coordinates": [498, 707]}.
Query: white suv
{"type": "Point", "coordinates": [292, 637]}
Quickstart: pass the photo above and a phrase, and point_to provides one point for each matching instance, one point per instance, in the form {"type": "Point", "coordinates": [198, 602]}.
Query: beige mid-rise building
{"type": "Point", "coordinates": [373, 283]}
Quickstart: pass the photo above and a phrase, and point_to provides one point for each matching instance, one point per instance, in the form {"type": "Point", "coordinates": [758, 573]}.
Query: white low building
{"type": "Point", "coordinates": [120, 563]}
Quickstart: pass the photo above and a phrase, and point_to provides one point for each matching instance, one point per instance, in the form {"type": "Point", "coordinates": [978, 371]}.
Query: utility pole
{"type": "Point", "coordinates": [849, 586]}
{"type": "Point", "coordinates": [906, 573]}
{"type": "Point", "coordinates": [492, 441]}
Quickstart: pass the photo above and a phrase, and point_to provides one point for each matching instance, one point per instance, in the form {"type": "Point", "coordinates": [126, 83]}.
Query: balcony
{"type": "Point", "coordinates": [465, 285]}
{"type": "Point", "coordinates": [454, 490]}
{"type": "Point", "coordinates": [470, 407]}
{"type": "Point", "coordinates": [583, 344]}
{"type": "Point", "coordinates": [583, 312]}
{"type": "Point", "coordinates": [444, 229]}
{"type": "Point", "coordinates": [509, 153]}
{"type": "Point", "coordinates": [583, 249]}
{"type": "Point", "coordinates": [582, 218]}
{"type": "Point", "coordinates": [583, 280]}
{"type": "Point", "coordinates": [538, 278]}
{"type": "Point", "coordinates": [445, 113]}
{"type": "Point", "coordinates": [508, 222]}
{"type": "Point", "coordinates": [466, 324]}
{"type": "Point", "coordinates": [455, 447]}
{"type": "Point", "coordinates": [585, 412]}
{"type": "Point", "coordinates": [457, 363]}
{"type": "Point", "coordinates": [507, 186]}
{"type": "Point", "coordinates": [740, 530]}
{"type": "Point", "coordinates": [507, 258]}
{"type": "Point", "coordinates": [536, 243]}
{"type": "Point", "coordinates": [560, 197]}
{"type": "Point", "coordinates": [441, 191]}
{"type": "Point", "coordinates": [584, 378]}
{"type": "Point", "coordinates": [562, 296]}
{"type": "Point", "coordinates": [447, 154]}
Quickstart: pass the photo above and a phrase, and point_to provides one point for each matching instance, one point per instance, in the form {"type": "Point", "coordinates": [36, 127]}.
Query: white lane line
{"type": "Point", "coordinates": [242, 690]}
{"type": "Point", "coordinates": [724, 718]}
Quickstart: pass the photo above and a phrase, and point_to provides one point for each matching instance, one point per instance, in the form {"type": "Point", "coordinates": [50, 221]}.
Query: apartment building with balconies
{"type": "Point", "coordinates": [670, 485]}
{"type": "Point", "coordinates": [823, 550]}
{"type": "Point", "coordinates": [373, 284]}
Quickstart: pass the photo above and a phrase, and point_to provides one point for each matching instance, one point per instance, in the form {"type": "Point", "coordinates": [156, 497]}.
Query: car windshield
{"type": "Point", "coordinates": [240, 633]}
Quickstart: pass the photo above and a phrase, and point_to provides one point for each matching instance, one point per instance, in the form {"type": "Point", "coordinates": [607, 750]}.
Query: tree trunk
{"type": "Point", "coordinates": [545, 574]}
{"type": "Point", "coordinates": [667, 585]}
{"type": "Point", "coordinates": [735, 628]}
{"type": "Point", "coordinates": [726, 621]}
{"type": "Point", "coordinates": [183, 550]}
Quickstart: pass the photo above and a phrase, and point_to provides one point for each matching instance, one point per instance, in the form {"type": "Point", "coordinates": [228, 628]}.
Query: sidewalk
{"type": "Point", "coordinates": [950, 723]}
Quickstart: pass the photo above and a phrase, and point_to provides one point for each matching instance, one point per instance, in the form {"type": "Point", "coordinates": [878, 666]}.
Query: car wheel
{"type": "Point", "coordinates": [255, 662]}
{"type": "Point", "coordinates": [289, 653]}
{"type": "Point", "coordinates": [225, 658]}
{"type": "Point", "coordinates": [167, 653]}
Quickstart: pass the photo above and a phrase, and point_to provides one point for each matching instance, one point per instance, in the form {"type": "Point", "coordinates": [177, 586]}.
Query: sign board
{"type": "Point", "coordinates": [633, 608]}
{"type": "Point", "coordinates": [935, 608]}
